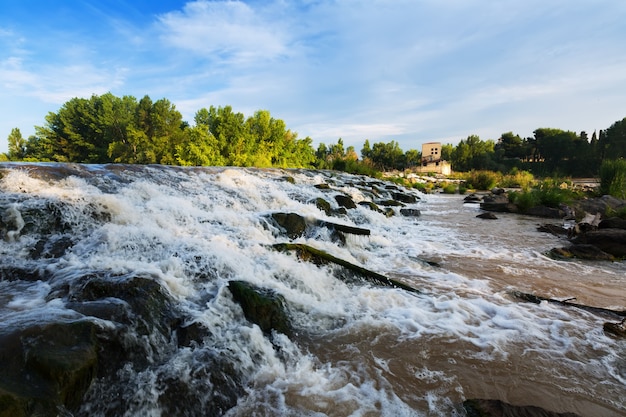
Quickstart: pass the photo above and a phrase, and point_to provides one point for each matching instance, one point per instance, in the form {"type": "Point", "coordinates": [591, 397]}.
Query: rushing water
{"type": "Point", "coordinates": [357, 350]}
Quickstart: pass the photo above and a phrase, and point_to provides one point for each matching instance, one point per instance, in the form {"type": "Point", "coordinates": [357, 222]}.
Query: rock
{"type": "Point", "coordinates": [405, 198]}
{"type": "Point", "coordinates": [500, 207]}
{"type": "Point", "coordinates": [293, 224]}
{"type": "Point", "coordinates": [345, 228]}
{"type": "Point", "coordinates": [322, 186]}
{"type": "Point", "coordinates": [487, 216]}
{"type": "Point", "coordinates": [612, 223]}
{"type": "Point", "coordinates": [554, 229]}
{"type": "Point", "coordinates": [617, 329]}
{"type": "Point", "coordinates": [370, 205]}
{"type": "Point", "coordinates": [46, 367]}
{"type": "Point", "coordinates": [391, 203]}
{"type": "Point", "coordinates": [472, 198]}
{"type": "Point", "coordinates": [261, 306]}
{"type": "Point", "coordinates": [544, 211]}
{"type": "Point", "coordinates": [611, 241]}
{"type": "Point", "coordinates": [581, 251]}
{"type": "Point", "coordinates": [409, 212]}
{"type": "Point", "coordinates": [598, 205]}
{"type": "Point", "coordinates": [347, 271]}
{"type": "Point", "coordinates": [345, 201]}
{"type": "Point", "coordinates": [323, 205]}
{"type": "Point", "coordinates": [497, 408]}
{"type": "Point", "coordinates": [498, 191]}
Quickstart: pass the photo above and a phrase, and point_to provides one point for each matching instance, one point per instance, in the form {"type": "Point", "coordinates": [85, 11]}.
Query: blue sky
{"type": "Point", "coordinates": [413, 71]}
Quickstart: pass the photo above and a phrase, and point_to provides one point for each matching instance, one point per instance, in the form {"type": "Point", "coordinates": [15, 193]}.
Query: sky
{"type": "Point", "coordinates": [413, 71]}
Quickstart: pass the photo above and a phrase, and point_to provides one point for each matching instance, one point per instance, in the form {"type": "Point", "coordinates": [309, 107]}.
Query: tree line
{"type": "Point", "coordinates": [110, 129]}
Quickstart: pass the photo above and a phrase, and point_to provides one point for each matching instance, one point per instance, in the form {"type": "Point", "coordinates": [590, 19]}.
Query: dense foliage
{"type": "Point", "coordinates": [106, 128]}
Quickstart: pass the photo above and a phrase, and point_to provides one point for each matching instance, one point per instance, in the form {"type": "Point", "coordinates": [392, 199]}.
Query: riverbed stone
{"type": "Point", "coordinates": [612, 241]}
{"type": "Point", "coordinates": [497, 408]}
{"type": "Point", "coordinates": [293, 224]}
{"type": "Point", "coordinates": [345, 201]}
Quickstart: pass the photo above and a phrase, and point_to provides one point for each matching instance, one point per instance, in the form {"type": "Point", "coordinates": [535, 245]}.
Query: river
{"type": "Point", "coordinates": [357, 349]}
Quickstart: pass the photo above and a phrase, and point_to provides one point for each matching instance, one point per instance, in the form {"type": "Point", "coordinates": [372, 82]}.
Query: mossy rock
{"type": "Point", "coordinates": [323, 205]}
{"type": "Point", "coordinates": [261, 306]}
{"type": "Point", "coordinates": [294, 225]}
{"type": "Point", "coordinates": [319, 257]}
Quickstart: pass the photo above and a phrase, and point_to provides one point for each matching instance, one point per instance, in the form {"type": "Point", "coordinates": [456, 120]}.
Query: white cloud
{"type": "Point", "coordinates": [231, 31]}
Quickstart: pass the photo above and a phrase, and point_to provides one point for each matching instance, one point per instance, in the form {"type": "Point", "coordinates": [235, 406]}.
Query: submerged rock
{"type": "Point", "coordinates": [497, 408]}
{"type": "Point", "coordinates": [487, 216]}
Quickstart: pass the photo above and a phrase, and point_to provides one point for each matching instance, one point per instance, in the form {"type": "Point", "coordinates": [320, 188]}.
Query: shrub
{"type": "Point", "coordinates": [613, 178]}
{"type": "Point", "coordinates": [524, 200]}
{"type": "Point", "coordinates": [516, 178]}
{"type": "Point", "coordinates": [482, 180]}
{"type": "Point", "coordinates": [449, 188]}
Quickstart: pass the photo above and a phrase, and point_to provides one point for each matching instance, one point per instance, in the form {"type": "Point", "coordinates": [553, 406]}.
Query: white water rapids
{"type": "Point", "coordinates": [358, 350]}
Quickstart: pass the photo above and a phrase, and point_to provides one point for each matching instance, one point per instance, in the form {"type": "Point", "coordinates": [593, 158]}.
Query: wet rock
{"type": "Point", "coordinates": [346, 271]}
{"type": "Point", "coordinates": [46, 368]}
{"type": "Point", "coordinates": [487, 216]}
{"type": "Point", "coordinates": [323, 205]}
{"type": "Point", "coordinates": [391, 203]}
{"type": "Point", "coordinates": [612, 223]}
{"type": "Point", "coordinates": [611, 241]}
{"type": "Point", "coordinates": [370, 205]}
{"type": "Point", "coordinates": [345, 201]}
{"type": "Point", "coordinates": [498, 203]}
{"type": "Point", "coordinates": [323, 186]}
{"type": "Point", "coordinates": [498, 191]}
{"type": "Point", "coordinates": [352, 230]}
{"type": "Point", "coordinates": [55, 247]}
{"type": "Point", "coordinates": [261, 306]}
{"type": "Point", "coordinates": [617, 329]}
{"type": "Point", "coordinates": [598, 205]}
{"type": "Point", "coordinates": [409, 212]}
{"type": "Point", "coordinates": [554, 229]}
{"type": "Point", "coordinates": [544, 211]}
{"type": "Point", "coordinates": [293, 224]}
{"type": "Point", "coordinates": [497, 408]}
{"type": "Point", "coordinates": [149, 306]}
{"type": "Point", "coordinates": [581, 251]}
{"type": "Point", "coordinates": [405, 197]}
{"type": "Point", "coordinates": [473, 198]}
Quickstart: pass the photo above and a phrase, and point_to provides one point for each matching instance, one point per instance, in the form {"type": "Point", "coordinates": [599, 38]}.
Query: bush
{"type": "Point", "coordinates": [482, 180]}
{"type": "Point", "coordinates": [613, 178]}
{"type": "Point", "coordinates": [516, 178]}
{"type": "Point", "coordinates": [524, 200]}
{"type": "Point", "coordinates": [449, 188]}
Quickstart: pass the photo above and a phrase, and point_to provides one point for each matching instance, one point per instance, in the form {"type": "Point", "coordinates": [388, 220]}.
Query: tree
{"type": "Point", "coordinates": [17, 145]}
{"type": "Point", "coordinates": [615, 140]}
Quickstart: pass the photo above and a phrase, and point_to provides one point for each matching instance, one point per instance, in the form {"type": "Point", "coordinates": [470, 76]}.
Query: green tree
{"type": "Point", "coordinates": [17, 145]}
{"type": "Point", "coordinates": [615, 140]}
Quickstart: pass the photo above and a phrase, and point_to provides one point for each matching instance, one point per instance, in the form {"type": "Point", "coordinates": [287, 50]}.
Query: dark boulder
{"type": "Point", "coordinates": [611, 241]}
{"type": "Point", "coordinates": [581, 251]}
{"type": "Point", "coordinates": [345, 201]}
{"type": "Point", "coordinates": [409, 212]}
{"type": "Point", "coordinates": [46, 368]}
{"type": "Point", "coordinates": [323, 205]}
{"type": "Point", "coordinates": [554, 229]}
{"type": "Point", "coordinates": [617, 329]}
{"type": "Point", "coordinates": [497, 408]}
{"type": "Point", "coordinates": [261, 306]}
{"type": "Point", "coordinates": [391, 203]}
{"type": "Point", "coordinates": [405, 197]}
{"type": "Point", "coordinates": [472, 198]}
{"type": "Point", "coordinates": [498, 203]}
{"type": "Point", "coordinates": [612, 223]}
{"type": "Point", "coordinates": [294, 225]}
{"type": "Point", "coordinates": [487, 216]}
{"type": "Point", "coordinates": [544, 211]}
